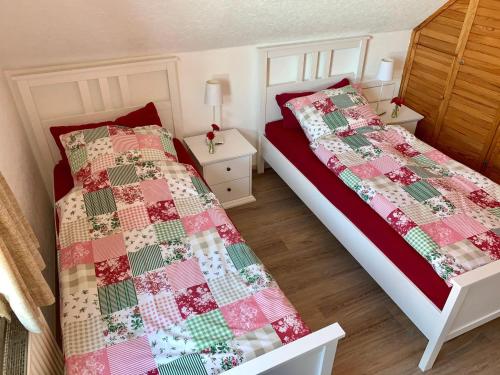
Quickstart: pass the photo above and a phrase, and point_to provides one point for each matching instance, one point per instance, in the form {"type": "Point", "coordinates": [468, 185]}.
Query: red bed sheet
{"type": "Point", "coordinates": [294, 145]}
{"type": "Point", "coordinates": [63, 182]}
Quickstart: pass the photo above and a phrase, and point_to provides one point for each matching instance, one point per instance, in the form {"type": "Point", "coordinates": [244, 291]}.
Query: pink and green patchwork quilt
{"type": "Point", "coordinates": [155, 279]}
{"type": "Point", "coordinates": [447, 212]}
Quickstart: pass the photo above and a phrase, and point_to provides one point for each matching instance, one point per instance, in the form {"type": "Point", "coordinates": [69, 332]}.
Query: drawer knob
{"type": "Point", "coordinates": [228, 189]}
{"type": "Point", "coordinates": [228, 169]}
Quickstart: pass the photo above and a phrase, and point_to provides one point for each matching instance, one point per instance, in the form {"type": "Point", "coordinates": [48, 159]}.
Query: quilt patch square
{"type": "Point", "coordinates": [151, 283]}
{"type": "Point", "coordinates": [155, 190]}
{"type": "Point", "coordinates": [400, 222]}
{"type": "Point", "coordinates": [335, 120]}
{"type": "Point", "coordinates": [77, 159]}
{"type": "Point", "coordinates": [258, 342]}
{"type": "Point", "coordinates": [123, 325]}
{"type": "Point", "coordinates": [356, 141]}
{"type": "Point", "coordinates": [382, 205]}
{"type": "Point", "coordinates": [115, 297]}
{"type": "Point", "coordinates": [199, 185]}
{"type": "Point", "coordinates": [403, 176]}
{"type": "Point", "coordinates": [407, 150]}
{"type": "Point", "coordinates": [437, 156]}
{"type": "Point", "coordinates": [464, 225]}
{"type": "Point", "coordinates": [290, 328]}
{"type": "Point", "coordinates": [147, 259]}
{"type": "Point", "coordinates": [421, 190]}
{"type": "Point", "coordinates": [169, 230]}
{"type": "Point", "coordinates": [441, 233]}
{"type": "Point", "coordinates": [175, 251]}
{"type": "Point", "coordinates": [95, 362]}
{"type": "Point", "coordinates": [229, 234]}
{"type": "Point", "coordinates": [108, 247]}
{"type": "Point", "coordinates": [187, 364]}
{"type": "Point", "coordinates": [136, 239]}
{"type": "Point", "coordinates": [243, 316]}
{"type": "Point", "coordinates": [83, 336]}
{"type": "Point", "coordinates": [127, 195]}
{"type": "Point", "coordinates": [483, 199]}
{"type": "Point", "coordinates": [218, 216]}
{"type": "Point", "coordinates": [242, 256]}
{"type": "Point", "coordinates": [104, 225]}
{"type": "Point", "coordinates": [489, 242]}
{"type": "Point", "coordinates": [466, 254]}
{"type": "Point", "coordinates": [420, 214]}
{"type": "Point", "coordinates": [122, 175]}
{"type": "Point", "coordinates": [365, 171]}
{"type": "Point", "coordinates": [342, 101]}
{"type": "Point", "coordinates": [96, 181]}
{"type": "Point", "coordinates": [98, 147]}
{"type": "Point", "coordinates": [274, 304]}
{"type": "Point", "coordinates": [135, 217]}
{"type": "Point", "coordinates": [440, 206]}
{"type": "Point", "coordinates": [385, 164]}
{"type": "Point", "coordinates": [80, 305]}
{"type": "Point", "coordinates": [189, 206]}
{"type": "Point", "coordinates": [74, 279]}
{"type": "Point", "coordinates": [124, 142]}
{"type": "Point", "coordinates": [138, 353]}
{"type": "Point", "coordinates": [171, 342]}
{"type": "Point", "coordinates": [228, 288]}
{"type": "Point", "coordinates": [195, 300]}
{"type": "Point", "coordinates": [421, 242]}
{"type": "Point", "coordinates": [422, 172]}
{"type": "Point", "coordinates": [94, 134]}
{"type": "Point", "coordinates": [184, 274]}
{"type": "Point", "coordinates": [103, 162]}
{"type": "Point", "coordinates": [197, 223]}
{"type": "Point", "coordinates": [99, 202]}
{"type": "Point", "coordinates": [209, 329]}
{"type": "Point", "coordinates": [149, 141]}
{"type": "Point", "coordinates": [162, 211]}
{"type": "Point", "coordinates": [111, 271]}
{"type": "Point", "coordinates": [77, 253]}
{"type": "Point", "coordinates": [160, 312]}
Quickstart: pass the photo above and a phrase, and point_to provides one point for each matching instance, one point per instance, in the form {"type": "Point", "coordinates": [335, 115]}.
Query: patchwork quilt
{"type": "Point", "coordinates": [447, 212]}
{"type": "Point", "coordinates": [155, 279]}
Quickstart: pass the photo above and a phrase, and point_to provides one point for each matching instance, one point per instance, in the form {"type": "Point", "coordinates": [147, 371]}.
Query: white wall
{"type": "Point", "coordinates": [237, 68]}
{"type": "Point", "coordinates": [19, 168]}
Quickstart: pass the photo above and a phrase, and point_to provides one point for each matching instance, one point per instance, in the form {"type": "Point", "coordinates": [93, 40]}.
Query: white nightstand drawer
{"type": "Point", "coordinates": [229, 170]}
{"type": "Point", "coordinates": [228, 191]}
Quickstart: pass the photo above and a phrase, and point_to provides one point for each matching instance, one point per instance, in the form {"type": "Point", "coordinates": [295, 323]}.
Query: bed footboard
{"type": "Point", "coordinates": [312, 354]}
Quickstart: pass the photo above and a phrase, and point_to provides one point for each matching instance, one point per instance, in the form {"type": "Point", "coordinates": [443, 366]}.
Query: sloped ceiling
{"type": "Point", "coordinates": [48, 31]}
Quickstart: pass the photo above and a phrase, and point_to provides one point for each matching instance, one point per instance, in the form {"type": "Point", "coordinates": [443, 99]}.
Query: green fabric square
{"type": "Point", "coordinates": [147, 259]}
{"type": "Point", "coordinates": [342, 101]}
{"type": "Point", "coordinates": [99, 202]}
{"type": "Point", "coordinates": [186, 364]}
{"type": "Point", "coordinates": [422, 242]}
{"type": "Point", "coordinates": [421, 171]}
{"type": "Point", "coordinates": [495, 211]}
{"type": "Point", "coordinates": [209, 329]}
{"type": "Point", "coordinates": [77, 159]}
{"type": "Point", "coordinates": [169, 230]}
{"type": "Point", "coordinates": [366, 129]}
{"type": "Point", "coordinates": [122, 175]}
{"type": "Point", "coordinates": [199, 185]}
{"type": "Point", "coordinates": [356, 141]}
{"type": "Point", "coordinates": [116, 297]}
{"type": "Point", "coordinates": [92, 134]}
{"type": "Point", "coordinates": [168, 145]}
{"type": "Point", "coordinates": [424, 161]}
{"type": "Point", "coordinates": [335, 120]}
{"type": "Point", "coordinates": [349, 178]}
{"type": "Point", "coordinates": [421, 190]}
{"type": "Point", "coordinates": [241, 255]}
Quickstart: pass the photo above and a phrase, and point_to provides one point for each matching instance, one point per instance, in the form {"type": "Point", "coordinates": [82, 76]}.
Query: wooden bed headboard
{"type": "Point", "coordinates": [92, 92]}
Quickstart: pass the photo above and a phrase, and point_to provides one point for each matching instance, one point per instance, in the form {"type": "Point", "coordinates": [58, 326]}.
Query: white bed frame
{"type": "Point", "coordinates": [475, 295]}
{"type": "Point", "coordinates": [85, 93]}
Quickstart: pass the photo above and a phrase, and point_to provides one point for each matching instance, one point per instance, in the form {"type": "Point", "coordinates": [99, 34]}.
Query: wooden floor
{"type": "Point", "coordinates": [327, 285]}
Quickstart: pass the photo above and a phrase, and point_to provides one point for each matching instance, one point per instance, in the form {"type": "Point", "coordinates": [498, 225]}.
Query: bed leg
{"type": "Point", "coordinates": [430, 354]}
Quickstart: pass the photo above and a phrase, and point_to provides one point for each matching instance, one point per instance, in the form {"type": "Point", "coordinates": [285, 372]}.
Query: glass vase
{"type": "Point", "coordinates": [211, 147]}
{"type": "Point", "coordinates": [395, 111]}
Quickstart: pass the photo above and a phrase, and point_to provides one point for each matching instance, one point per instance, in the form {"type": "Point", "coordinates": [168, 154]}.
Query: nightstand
{"type": "Point", "coordinates": [407, 117]}
{"type": "Point", "coordinates": [228, 171]}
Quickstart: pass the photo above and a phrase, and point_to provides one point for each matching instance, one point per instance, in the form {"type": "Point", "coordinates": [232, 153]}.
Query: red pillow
{"type": "Point", "coordinates": [289, 120]}
{"type": "Point", "coordinates": [146, 115]}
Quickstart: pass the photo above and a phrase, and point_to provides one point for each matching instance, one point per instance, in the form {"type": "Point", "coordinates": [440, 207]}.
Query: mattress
{"type": "Point", "coordinates": [293, 144]}
{"type": "Point", "coordinates": [155, 278]}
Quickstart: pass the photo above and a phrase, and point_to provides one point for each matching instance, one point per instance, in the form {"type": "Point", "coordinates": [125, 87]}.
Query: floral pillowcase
{"type": "Point", "coordinates": [332, 111]}
{"type": "Point", "coordinates": [94, 150]}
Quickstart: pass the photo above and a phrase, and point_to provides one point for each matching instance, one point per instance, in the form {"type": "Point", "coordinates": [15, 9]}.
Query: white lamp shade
{"type": "Point", "coordinates": [213, 93]}
{"type": "Point", "coordinates": [386, 70]}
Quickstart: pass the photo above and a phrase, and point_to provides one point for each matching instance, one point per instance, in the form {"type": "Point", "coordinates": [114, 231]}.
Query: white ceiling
{"type": "Point", "coordinates": [33, 32]}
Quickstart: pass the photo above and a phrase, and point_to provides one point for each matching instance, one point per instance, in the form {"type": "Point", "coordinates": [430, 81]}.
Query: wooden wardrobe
{"type": "Point", "coordinates": [452, 77]}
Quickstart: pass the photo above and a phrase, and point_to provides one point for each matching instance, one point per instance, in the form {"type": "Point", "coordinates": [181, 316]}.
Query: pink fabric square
{"type": "Point", "coordinates": [335, 165]}
{"type": "Point", "coordinates": [77, 253]}
{"type": "Point", "coordinates": [96, 181]}
{"type": "Point", "coordinates": [385, 164]}
{"type": "Point", "coordinates": [229, 234]}
{"type": "Point", "coordinates": [462, 184]}
{"type": "Point", "coordinates": [131, 357]}
{"type": "Point", "coordinates": [483, 199]}
{"type": "Point", "coordinates": [152, 282]}
{"type": "Point", "coordinates": [162, 211]}
{"type": "Point", "coordinates": [400, 222]}
{"type": "Point", "coordinates": [102, 162]}
{"type": "Point", "coordinates": [393, 137]}
{"type": "Point", "coordinates": [135, 217]}
{"type": "Point", "coordinates": [488, 242]}
{"type": "Point", "coordinates": [407, 150]}
{"type": "Point", "coordinates": [112, 271]}
{"type": "Point", "coordinates": [323, 154]}
{"type": "Point", "coordinates": [243, 316]}
{"type": "Point", "coordinates": [160, 312]}
{"type": "Point", "coordinates": [108, 247]}
{"type": "Point", "coordinates": [273, 304]}
{"type": "Point", "coordinates": [195, 300]}
{"type": "Point", "coordinates": [437, 156]}
{"type": "Point", "coordinates": [365, 171]}
{"type": "Point", "coordinates": [122, 143]}
{"type": "Point", "coordinates": [95, 363]}
{"type": "Point", "coordinates": [403, 176]}
{"type": "Point", "coordinates": [185, 274]}
{"type": "Point", "coordinates": [382, 205]}
{"type": "Point", "coordinates": [441, 233]}
{"type": "Point", "coordinates": [464, 225]}
{"type": "Point", "coordinates": [155, 190]}
{"type": "Point", "coordinates": [197, 223]}
{"type": "Point", "coordinates": [290, 328]}
{"type": "Point", "coordinates": [149, 141]}
{"type": "Point", "coordinates": [218, 216]}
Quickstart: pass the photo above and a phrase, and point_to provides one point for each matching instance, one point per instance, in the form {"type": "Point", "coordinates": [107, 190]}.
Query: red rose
{"type": "Point", "coordinates": [210, 135]}
{"type": "Point", "coordinates": [215, 127]}
{"type": "Point", "coordinates": [398, 101]}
